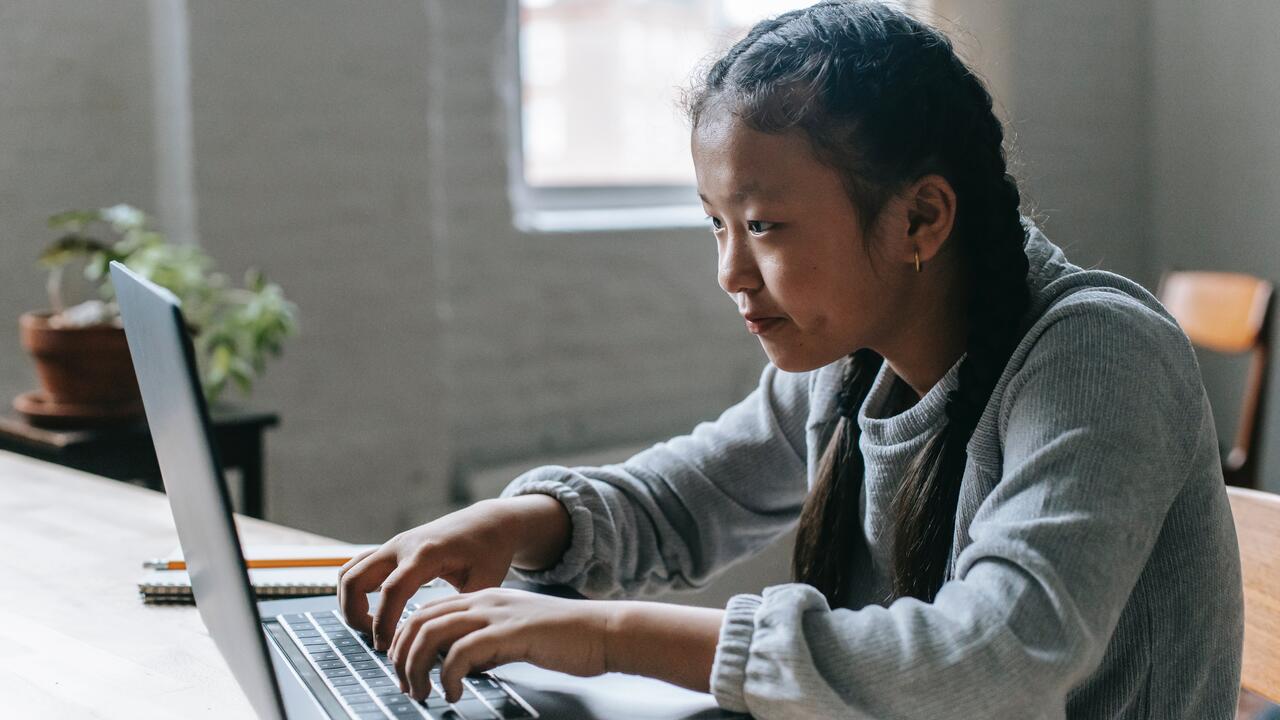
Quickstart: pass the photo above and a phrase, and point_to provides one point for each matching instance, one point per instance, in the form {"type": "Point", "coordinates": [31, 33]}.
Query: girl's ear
{"type": "Point", "coordinates": [931, 213]}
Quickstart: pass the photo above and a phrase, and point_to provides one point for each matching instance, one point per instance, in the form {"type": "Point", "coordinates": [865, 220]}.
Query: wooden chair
{"type": "Point", "coordinates": [1257, 519]}
{"type": "Point", "coordinates": [1229, 313]}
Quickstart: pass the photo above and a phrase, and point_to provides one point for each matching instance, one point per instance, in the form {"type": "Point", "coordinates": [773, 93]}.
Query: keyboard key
{"type": "Point", "coordinates": [490, 693]}
{"type": "Point", "coordinates": [473, 709]}
{"type": "Point", "coordinates": [356, 689]}
{"type": "Point", "coordinates": [330, 664]}
{"type": "Point", "coordinates": [364, 664]}
{"type": "Point", "coordinates": [482, 681]}
{"type": "Point", "coordinates": [314, 641]}
{"type": "Point", "coordinates": [372, 673]}
{"type": "Point", "coordinates": [435, 700]}
{"type": "Point", "coordinates": [336, 672]}
{"type": "Point", "coordinates": [486, 688]}
{"type": "Point", "coordinates": [405, 711]}
{"type": "Point", "coordinates": [364, 706]}
{"type": "Point", "coordinates": [509, 708]}
{"type": "Point", "coordinates": [380, 682]}
{"type": "Point", "coordinates": [318, 653]}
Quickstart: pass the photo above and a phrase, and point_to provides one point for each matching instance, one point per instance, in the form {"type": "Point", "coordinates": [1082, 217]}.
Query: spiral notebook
{"type": "Point", "coordinates": [174, 586]}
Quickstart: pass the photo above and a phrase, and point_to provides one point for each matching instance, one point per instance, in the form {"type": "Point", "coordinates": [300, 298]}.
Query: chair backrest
{"type": "Point", "coordinates": [1229, 313]}
{"type": "Point", "coordinates": [1257, 519]}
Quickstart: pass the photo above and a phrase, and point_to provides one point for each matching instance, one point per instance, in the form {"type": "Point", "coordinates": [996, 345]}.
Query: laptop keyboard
{"type": "Point", "coordinates": [365, 681]}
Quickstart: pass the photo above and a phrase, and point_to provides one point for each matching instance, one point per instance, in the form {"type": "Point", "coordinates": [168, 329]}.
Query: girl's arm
{"type": "Point", "coordinates": [675, 643]}
{"type": "Point", "coordinates": [675, 514]}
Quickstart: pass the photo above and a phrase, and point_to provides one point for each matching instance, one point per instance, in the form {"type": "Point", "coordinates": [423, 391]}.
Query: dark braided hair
{"type": "Point", "coordinates": [883, 98]}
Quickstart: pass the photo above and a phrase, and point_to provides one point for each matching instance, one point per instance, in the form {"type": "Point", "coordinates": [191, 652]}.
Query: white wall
{"type": "Point", "coordinates": [1071, 79]}
{"type": "Point", "coordinates": [561, 341]}
{"type": "Point", "coordinates": [311, 161]}
{"type": "Point", "coordinates": [75, 131]}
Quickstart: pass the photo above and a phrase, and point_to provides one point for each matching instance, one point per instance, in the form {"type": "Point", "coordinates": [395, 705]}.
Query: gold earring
{"type": "Point", "coordinates": [917, 261]}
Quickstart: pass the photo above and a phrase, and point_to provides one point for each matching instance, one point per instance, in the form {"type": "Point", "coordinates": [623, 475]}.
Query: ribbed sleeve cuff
{"type": "Point", "coordinates": [729, 669]}
{"type": "Point", "coordinates": [571, 570]}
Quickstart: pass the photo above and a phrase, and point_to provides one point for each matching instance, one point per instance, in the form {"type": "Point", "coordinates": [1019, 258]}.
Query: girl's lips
{"type": "Point", "coordinates": [761, 326]}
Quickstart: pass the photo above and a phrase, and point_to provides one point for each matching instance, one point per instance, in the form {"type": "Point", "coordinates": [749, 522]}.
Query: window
{"type": "Point", "coordinates": [601, 139]}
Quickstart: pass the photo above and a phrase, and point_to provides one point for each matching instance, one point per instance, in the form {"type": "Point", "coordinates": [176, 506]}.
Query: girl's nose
{"type": "Point", "coordinates": [737, 270]}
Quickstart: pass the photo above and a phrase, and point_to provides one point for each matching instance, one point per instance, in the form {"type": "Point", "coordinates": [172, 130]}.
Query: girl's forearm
{"type": "Point", "coordinates": [543, 528]}
{"type": "Point", "coordinates": [675, 643]}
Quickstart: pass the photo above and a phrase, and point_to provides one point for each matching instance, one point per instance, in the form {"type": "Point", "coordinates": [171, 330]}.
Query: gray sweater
{"type": "Point", "coordinates": [1094, 574]}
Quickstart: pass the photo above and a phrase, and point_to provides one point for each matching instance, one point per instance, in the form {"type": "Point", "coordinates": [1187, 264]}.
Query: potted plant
{"type": "Point", "coordinates": [80, 352]}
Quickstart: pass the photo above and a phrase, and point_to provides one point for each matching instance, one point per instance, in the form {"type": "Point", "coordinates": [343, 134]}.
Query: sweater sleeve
{"type": "Point", "coordinates": [1098, 425]}
{"type": "Point", "coordinates": [674, 515]}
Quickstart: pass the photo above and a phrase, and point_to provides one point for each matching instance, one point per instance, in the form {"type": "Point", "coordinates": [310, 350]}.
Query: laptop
{"type": "Point", "coordinates": [297, 658]}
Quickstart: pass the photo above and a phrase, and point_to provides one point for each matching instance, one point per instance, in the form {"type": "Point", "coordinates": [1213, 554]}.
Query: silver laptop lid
{"type": "Point", "coordinates": [164, 361]}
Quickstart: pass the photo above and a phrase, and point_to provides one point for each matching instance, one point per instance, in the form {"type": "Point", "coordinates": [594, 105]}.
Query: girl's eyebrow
{"type": "Point", "coordinates": [742, 193]}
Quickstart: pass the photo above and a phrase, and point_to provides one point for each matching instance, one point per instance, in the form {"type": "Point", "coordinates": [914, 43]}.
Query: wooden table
{"type": "Point", "coordinates": [125, 452]}
{"type": "Point", "coordinates": [75, 639]}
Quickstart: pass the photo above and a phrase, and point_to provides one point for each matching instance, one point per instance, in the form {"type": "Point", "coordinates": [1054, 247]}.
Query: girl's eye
{"type": "Point", "coordinates": [758, 226]}
{"type": "Point", "coordinates": [715, 223]}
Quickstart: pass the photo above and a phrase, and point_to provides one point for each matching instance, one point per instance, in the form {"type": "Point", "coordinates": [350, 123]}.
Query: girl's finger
{"type": "Point", "coordinates": [432, 637]}
{"type": "Point", "coordinates": [355, 560]}
{"type": "Point", "coordinates": [409, 629]}
{"type": "Point", "coordinates": [363, 577]}
{"type": "Point", "coordinates": [478, 651]}
{"type": "Point", "coordinates": [396, 590]}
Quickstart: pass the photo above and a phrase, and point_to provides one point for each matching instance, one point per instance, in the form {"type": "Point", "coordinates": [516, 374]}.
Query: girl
{"type": "Point", "coordinates": [1003, 466]}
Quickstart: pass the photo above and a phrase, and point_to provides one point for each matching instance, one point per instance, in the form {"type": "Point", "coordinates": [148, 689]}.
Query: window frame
{"type": "Point", "coordinates": [585, 208]}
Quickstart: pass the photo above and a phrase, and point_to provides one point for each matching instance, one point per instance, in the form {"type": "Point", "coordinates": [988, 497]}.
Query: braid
{"type": "Point", "coordinates": [822, 524]}
{"type": "Point", "coordinates": [926, 502]}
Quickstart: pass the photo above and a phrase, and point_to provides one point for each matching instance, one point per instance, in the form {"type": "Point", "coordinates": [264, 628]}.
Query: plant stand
{"type": "Point", "coordinates": [125, 452]}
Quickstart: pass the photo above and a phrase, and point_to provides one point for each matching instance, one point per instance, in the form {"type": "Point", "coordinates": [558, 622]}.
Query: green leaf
{"type": "Point", "coordinates": [72, 221]}
{"type": "Point", "coordinates": [67, 248]}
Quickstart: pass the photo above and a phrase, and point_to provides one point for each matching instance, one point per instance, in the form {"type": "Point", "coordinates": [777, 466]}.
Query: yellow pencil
{"type": "Point", "coordinates": [271, 563]}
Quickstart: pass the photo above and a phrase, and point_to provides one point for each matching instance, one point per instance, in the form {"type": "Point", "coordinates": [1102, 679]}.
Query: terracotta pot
{"type": "Point", "coordinates": [81, 366]}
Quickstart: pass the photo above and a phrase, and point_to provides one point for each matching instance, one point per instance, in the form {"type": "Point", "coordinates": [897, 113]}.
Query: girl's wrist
{"type": "Point", "coordinates": [675, 643]}
{"type": "Point", "coordinates": [542, 529]}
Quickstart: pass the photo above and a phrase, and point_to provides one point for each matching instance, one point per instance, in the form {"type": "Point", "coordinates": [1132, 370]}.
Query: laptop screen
{"type": "Point", "coordinates": [164, 361]}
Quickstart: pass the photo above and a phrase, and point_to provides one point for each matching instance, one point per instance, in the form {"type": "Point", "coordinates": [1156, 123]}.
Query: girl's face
{"type": "Point", "coordinates": [792, 253]}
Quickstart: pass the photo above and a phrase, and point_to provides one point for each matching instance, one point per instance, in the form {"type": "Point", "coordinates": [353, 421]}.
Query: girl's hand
{"type": "Point", "coordinates": [484, 629]}
{"type": "Point", "coordinates": [471, 549]}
